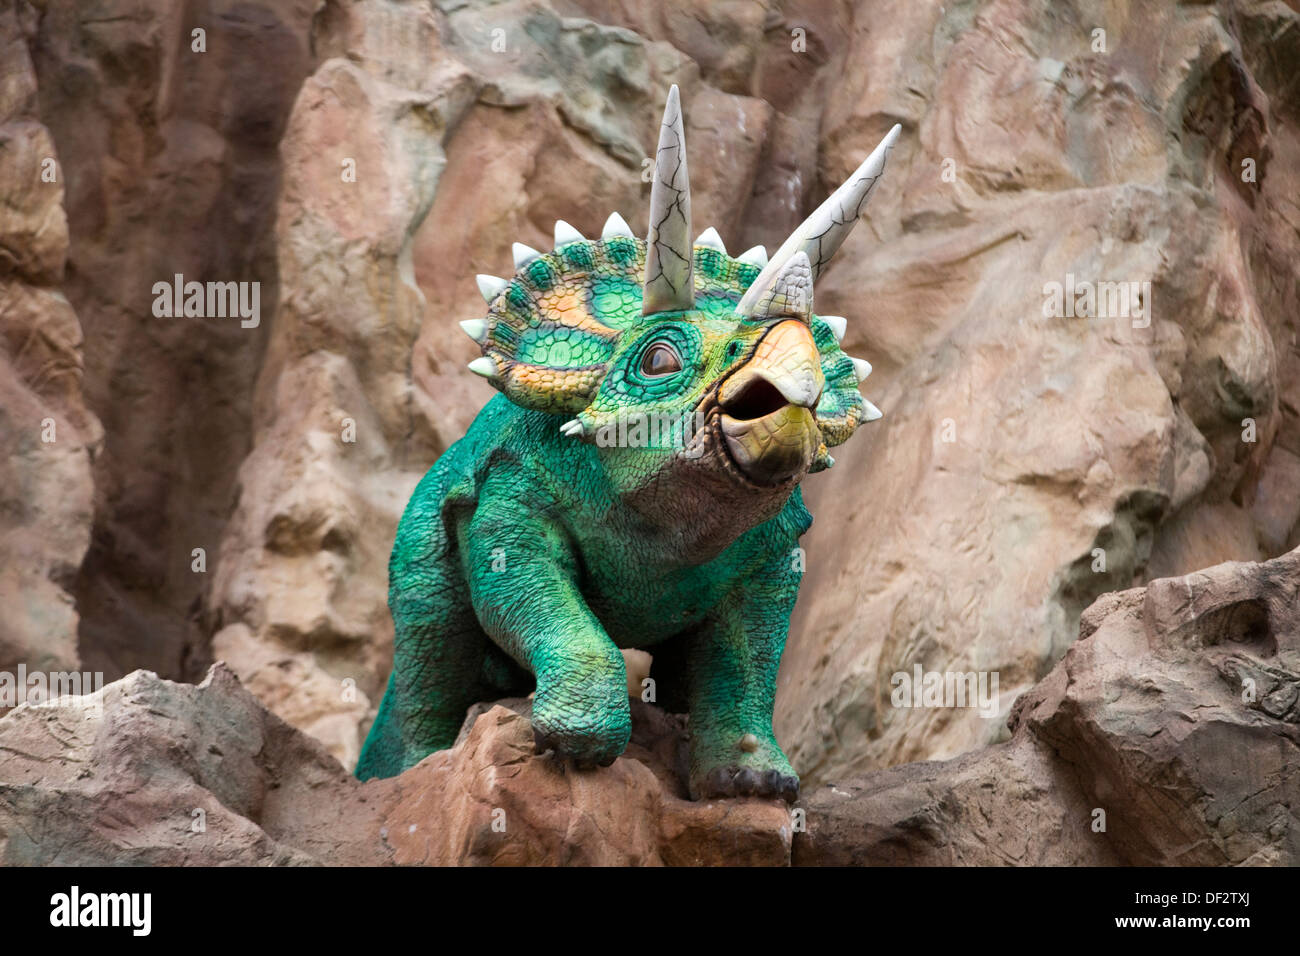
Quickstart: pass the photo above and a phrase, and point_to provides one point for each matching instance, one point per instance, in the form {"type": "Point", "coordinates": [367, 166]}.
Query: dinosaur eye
{"type": "Point", "coordinates": [660, 359]}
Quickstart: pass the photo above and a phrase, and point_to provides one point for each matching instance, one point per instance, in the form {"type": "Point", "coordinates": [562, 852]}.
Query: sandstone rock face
{"type": "Point", "coordinates": [362, 159]}
{"type": "Point", "coordinates": [1005, 805]}
{"type": "Point", "coordinates": [151, 772]}
{"type": "Point", "coordinates": [489, 801]}
{"type": "Point", "coordinates": [1179, 711]}
{"type": "Point", "coordinates": [167, 143]}
{"type": "Point", "coordinates": [48, 437]}
{"type": "Point", "coordinates": [147, 771]}
{"type": "Point", "coordinates": [1027, 464]}
{"type": "Point", "coordinates": [1167, 735]}
{"type": "Point", "coordinates": [299, 596]}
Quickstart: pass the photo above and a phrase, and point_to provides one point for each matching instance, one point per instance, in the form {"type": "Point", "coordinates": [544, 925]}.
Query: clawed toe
{"type": "Point", "coordinates": [543, 743]}
{"type": "Point", "coordinates": [747, 782]}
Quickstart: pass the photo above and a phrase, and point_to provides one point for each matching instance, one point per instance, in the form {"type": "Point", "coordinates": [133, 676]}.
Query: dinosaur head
{"type": "Point", "coordinates": [698, 376]}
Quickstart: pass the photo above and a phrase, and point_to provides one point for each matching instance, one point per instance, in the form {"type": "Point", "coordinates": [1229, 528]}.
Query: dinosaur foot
{"type": "Point", "coordinates": [748, 782]}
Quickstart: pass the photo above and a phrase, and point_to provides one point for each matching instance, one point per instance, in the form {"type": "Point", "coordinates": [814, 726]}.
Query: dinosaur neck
{"type": "Point", "coordinates": [692, 515]}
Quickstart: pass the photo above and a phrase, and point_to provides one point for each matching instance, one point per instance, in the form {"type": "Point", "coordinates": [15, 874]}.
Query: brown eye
{"type": "Point", "coordinates": [660, 359]}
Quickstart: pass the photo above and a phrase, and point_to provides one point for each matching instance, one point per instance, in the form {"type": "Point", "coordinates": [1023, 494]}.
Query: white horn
{"type": "Point", "coordinates": [826, 229]}
{"type": "Point", "coordinates": [669, 270]}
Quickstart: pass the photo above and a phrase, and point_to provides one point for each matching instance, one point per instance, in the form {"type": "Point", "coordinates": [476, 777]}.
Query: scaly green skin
{"type": "Point", "coordinates": [529, 558]}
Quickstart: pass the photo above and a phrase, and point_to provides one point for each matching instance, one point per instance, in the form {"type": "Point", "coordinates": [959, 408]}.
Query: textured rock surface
{"type": "Point", "coordinates": [1174, 720]}
{"type": "Point", "coordinates": [147, 771]}
{"type": "Point", "coordinates": [170, 163]}
{"type": "Point", "coordinates": [343, 434]}
{"type": "Point", "coordinates": [1005, 805]}
{"type": "Point", "coordinates": [48, 437]}
{"type": "Point", "coordinates": [961, 532]}
{"type": "Point", "coordinates": [490, 801]}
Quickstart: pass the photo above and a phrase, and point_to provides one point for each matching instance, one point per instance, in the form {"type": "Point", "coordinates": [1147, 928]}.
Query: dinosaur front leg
{"type": "Point", "coordinates": [521, 575]}
{"type": "Point", "coordinates": [731, 666]}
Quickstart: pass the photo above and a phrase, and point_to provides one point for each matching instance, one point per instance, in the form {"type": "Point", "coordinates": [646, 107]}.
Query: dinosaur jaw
{"type": "Point", "coordinates": [774, 448]}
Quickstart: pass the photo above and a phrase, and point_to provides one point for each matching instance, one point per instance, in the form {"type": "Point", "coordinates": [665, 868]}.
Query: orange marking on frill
{"type": "Point", "coordinates": [570, 310]}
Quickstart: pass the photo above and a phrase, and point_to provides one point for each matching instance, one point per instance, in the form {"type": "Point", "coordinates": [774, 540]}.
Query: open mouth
{"type": "Point", "coordinates": [758, 398]}
{"type": "Point", "coordinates": [769, 439]}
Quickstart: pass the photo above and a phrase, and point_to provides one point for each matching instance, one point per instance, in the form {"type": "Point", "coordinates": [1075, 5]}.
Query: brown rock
{"type": "Point", "coordinates": [1173, 721]}
{"type": "Point", "coordinates": [150, 772]}
{"type": "Point", "coordinates": [1025, 466]}
{"type": "Point", "coordinates": [299, 595]}
{"type": "Point", "coordinates": [147, 771]}
{"type": "Point", "coordinates": [169, 158]}
{"type": "Point", "coordinates": [1006, 805]}
{"type": "Point", "coordinates": [33, 229]}
{"type": "Point", "coordinates": [1169, 733]}
{"type": "Point", "coordinates": [1178, 710]}
{"type": "Point", "coordinates": [527, 810]}
{"type": "Point", "coordinates": [48, 438]}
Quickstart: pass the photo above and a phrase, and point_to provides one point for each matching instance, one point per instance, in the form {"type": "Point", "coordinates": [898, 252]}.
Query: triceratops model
{"type": "Point", "coordinates": [636, 484]}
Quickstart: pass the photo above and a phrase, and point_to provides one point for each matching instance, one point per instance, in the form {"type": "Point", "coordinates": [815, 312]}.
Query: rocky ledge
{"type": "Point", "coordinates": [1169, 733]}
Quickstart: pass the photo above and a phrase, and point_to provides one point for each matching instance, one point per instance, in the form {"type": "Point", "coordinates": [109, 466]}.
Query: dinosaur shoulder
{"type": "Point", "coordinates": [517, 454]}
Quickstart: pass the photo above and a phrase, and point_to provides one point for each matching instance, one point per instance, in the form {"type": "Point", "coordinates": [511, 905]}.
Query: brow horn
{"type": "Point", "coordinates": [669, 272]}
{"type": "Point", "coordinates": [822, 233]}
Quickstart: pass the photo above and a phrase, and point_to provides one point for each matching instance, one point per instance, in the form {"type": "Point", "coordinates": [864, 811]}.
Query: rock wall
{"type": "Point", "coordinates": [1027, 464]}
{"type": "Point", "coordinates": [169, 143]}
{"type": "Point", "coordinates": [151, 772]}
{"type": "Point", "coordinates": [48, 437]}
{"type": "Point", "coordinates": [363, 159]}
{"type": "Point", "coordinates": [1169, 734]}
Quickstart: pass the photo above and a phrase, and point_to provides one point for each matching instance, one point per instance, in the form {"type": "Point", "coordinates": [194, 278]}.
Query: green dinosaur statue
{"type": "Point", "coordinates": [634, 485]}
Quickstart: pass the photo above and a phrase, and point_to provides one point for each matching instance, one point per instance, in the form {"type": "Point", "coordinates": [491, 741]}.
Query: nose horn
{"type": "Point", "coordinates": [790, 293]}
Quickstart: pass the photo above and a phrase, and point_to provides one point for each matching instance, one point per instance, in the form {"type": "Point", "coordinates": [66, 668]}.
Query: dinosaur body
{"type": "Point", "coordinates": [635, 485]}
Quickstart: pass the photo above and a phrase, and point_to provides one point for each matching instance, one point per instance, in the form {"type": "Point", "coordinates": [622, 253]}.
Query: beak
{"type": "Point", "coordinates": [767, 406]}
{"type": "Point", "coordinates": [787, 360]}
